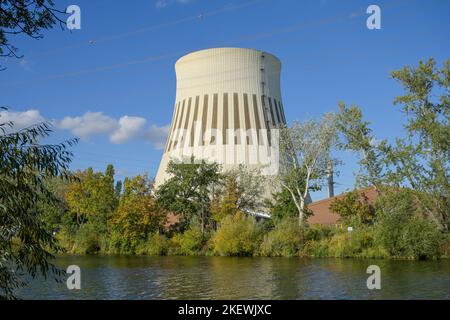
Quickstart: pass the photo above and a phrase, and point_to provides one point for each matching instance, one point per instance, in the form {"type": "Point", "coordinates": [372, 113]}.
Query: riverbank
{"type": "Point", "coordinates": [243, 236]}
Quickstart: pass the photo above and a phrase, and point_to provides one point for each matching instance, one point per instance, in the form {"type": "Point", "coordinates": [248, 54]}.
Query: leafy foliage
{"type": "Point", "coordinates": [282, 206]}
{"type": "Point", "coordinates": [305, 154]}
{"type": "Point", "coordinates": [284, 240]}
{"type": "Point", "coordinates": [239, 235]}
{"type": "Point", "coordinates": [226, 203]}
{"type": "Point", "coordinates": [240, 190]}
{"type": "Point", "coordinates": [357, 136]}
{"type": "Point", "coordinates": [137, 214]}
{"type": "Point", "coordinates": [190, 242]}
{"type": "Point", "coordinates": [25, 17]}
{"type": "Point", "coordinates": [422, 159]}
{"type": "Point", "coordinates": [354, 208]}
{"type": "Point", "coordinates": [91, 198]}
{"type": "Point", "coordinates": [189, 191]}
{"type": "Point", "coordinates": [25, 164]}
{"type": "Point", "coordinates": [402, 230]}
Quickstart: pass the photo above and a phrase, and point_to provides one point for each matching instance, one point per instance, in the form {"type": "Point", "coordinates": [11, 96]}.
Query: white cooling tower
{"type": "Point", "coordinates": [227, 105]}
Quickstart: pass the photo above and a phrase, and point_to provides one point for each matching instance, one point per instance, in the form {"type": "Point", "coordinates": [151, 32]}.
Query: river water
{"type": "Point", "coordinates": [141, 277]}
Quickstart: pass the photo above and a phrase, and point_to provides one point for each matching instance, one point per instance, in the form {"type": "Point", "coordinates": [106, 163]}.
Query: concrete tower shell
{"type": "Point", "coordinates": [228, 103]}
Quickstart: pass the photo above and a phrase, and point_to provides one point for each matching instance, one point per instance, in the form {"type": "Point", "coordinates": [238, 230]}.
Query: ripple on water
{"type": "Point", "coordinates": [244, 278]}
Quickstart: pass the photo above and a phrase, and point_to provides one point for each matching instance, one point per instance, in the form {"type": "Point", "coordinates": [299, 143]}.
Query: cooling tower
{"type": "Point", "coordinates": [227, 108]}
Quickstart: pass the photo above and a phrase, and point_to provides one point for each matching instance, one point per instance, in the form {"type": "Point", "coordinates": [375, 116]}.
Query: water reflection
{"type": "Point", "coordinates": [125, 277]}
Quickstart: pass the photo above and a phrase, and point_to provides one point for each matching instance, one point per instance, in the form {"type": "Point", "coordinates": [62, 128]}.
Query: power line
{"type": "Point", "coordinates": [275, 32]}
{"type": "Point", "coordinates": [227, 8]}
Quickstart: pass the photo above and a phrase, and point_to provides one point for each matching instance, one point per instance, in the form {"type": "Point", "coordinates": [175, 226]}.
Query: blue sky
{"type": "Point", "coordinates": [118, 70]}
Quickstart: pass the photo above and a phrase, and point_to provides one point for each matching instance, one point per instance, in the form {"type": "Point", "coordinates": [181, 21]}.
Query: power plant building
{"type": "Point", "coordinates": [227, 108]}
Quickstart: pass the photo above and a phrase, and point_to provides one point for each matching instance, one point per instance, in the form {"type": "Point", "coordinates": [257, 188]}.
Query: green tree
{"type": "Point", "coordinates": [25, 17]}
{"type": "Point", "coordinates": [189, 191]}
{"type": "Point", "coordinates": [238, 235]}
{"type": "Point", "coordinates": [138, 214]}
{"type": "Point", "coordinates": [26, 241]}
{"type": "Point", "coordinates": [241, 189]}
{"type": "Point", "coordinates": [226, 203]}
{"type": "Point", "coordinates": [358, 137]}
{"type": "Point", "coordinates": [55, 214]}
{"type": "Point", "coordinates": [284, 240]}
{"type": "Point", "coordinates": [281, 206]}
{"type": "Point", "coordinates": [354, 208]}
{"type": "Point", "coordinates": [118, 189]}
{"type": "Point", "coordinates": [421, 160]}
{"type": "Point", "coordinates": [401, 229]}
{"type": "Point", "coordinates": [305, 156]}
{"type": "Point", "coordinates": [91, 198]}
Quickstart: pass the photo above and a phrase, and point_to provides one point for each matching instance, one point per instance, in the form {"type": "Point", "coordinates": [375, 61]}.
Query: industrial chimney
{"type": "Point", "coordinates": [227, 105]}
{"type": "Point", "coordinates": [330, 179]}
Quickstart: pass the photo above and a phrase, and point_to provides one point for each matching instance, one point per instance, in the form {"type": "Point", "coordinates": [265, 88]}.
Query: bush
{"type": "Point", "coordinates": [360, 244]}
{"type": "Point", "coordinates": [65, 240]}
{"type": "Point", "coordinates": [239, 235]}
{"type": "Point", "coordinates": [156, 245]}
{"type": "Point", "coordinates": [318, 232]}
{"type": "Point", "coordinates": [357, 244]}
{"type": "Point", "coordinates": [315, 249]}
{"type": "Point", "coordinates": [284, 240]}
{"type": "Point", "coordinates": [119, 245]}
{"type": "Point", "coordinates": [188, 243]}
{"type": "Point", "coordinates": [415, 238]}
{"type": "Point", "coordinates": [354, 208]}
{"type": "Point", "coordinates": [446, 247]}
{"type": "Point", "coordinates": [402, 231]}
{"type": "Point", "coordinates": [87, 240]}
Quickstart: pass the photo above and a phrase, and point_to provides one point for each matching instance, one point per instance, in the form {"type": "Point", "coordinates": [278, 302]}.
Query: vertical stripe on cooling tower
{"type": "Point", "coordinates": [225, 118]}
{"type": "Point", "coordinates": [194, 121]}
{"type": "Point", "coordinates": [172, 125]}
{"type": "Point", "coordinates": [178, 126]}
{"type": "Point", "coordinates": [276, 110]}
{"type": "Point", "coordinates": [263, 107]}
{"type": "Point", "coordinates": [214, 115]}
{"type": "Point", "coordinates": [266, 121]}
{"type": "Point", "coordinates": [236, 111]}
{"type": "Point", "coordinates": [186, 120]}
{"type": "Point", "coordinates": [237, 124]}
{"type": "Point", "coordinates": [282, 111]}
{"type": "Point", "coordinates": [257, 119]}
{"type": "Point", "coordinates": [246, 112]}
{"type": "Point", "coordinates": [271, 111]}
{"type": "Point", "coordinates": [204, 117]}
{"type": "Point", "coordinates": [214, 119]}
{"type": "Point", "coordinates": [247, 118]}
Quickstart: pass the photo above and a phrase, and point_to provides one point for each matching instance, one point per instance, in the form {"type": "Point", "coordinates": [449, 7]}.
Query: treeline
{"type": "Point", "coordinates": [211, 211]}
{"type": "Point", "coordinates": [96, 216]}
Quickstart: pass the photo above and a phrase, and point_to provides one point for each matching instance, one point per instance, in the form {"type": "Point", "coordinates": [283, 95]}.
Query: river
{"type": "Point", "coordinates": [142, 277]}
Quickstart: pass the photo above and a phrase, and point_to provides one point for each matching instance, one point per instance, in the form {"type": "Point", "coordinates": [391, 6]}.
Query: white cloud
{"type": "Point", "coordinates": [157, 136]}
{"type": "Point", "coordinates": [129, 128]}
{"type": "Point", "coordinates": [89, 124]}
{"type": "Point", "coordinates": [21, 119]}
